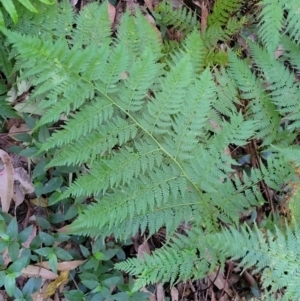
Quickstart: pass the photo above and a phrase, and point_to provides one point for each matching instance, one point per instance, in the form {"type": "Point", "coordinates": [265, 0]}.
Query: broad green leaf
{"type": "Point", "coordinates": [62, 254]}
{"type": "Point", "coordinates": [98, 245]}
{"type": "Point", "coordinates": [13, 250]}
{"type": "Point", "coordinates": [74, 295]}
{"type": "Point", "coordinates": [92, 263]}
{"type": "Point", "coordinates": [2, 226]}
{"type": "Point", "coordinates": [91, 284]}
{"type": "Point", "coordinates": [11, 9]}
{"type": "Point", "coordinates": [47, 2]}
{"type": "Point", "coordinates": [23, 137]}
{"type": "Point", "coordinates": [46, 238]}
{"type": "Point", "coordinates": [18, 295]}
{"type": "Point", "coordinates": [29, 152]}
{"type": "Point", "coordinates": [44, 251]}
{"type": "Point", "coordinates": [3, 245]}
{"type": "Point", "coordinates": [40, 168]}
{"type": "Point", "coordinates": [18, 265]}
{"type": "Point", "coordinates": [53, 262]}
{"type": "Point", "coordinates": [52, 185]}
{"type": "Point", "coordinates": [9, 284]}
{"type": "Point", "coordinates": [43, 223]}
{"type": "Point", "coordinates": [2, 276]}
{"type": "Point", "coordinates": [43, 134]}
{"type": "Point", "coordinates": [110, 280]}
{"type": "Point", "coordinates": [28, 5]}
{"type": "Point", "coordinates": [85, 251]}
{"type": "Point", "coordinates": [24, 234]}
{"type": "Point", "coordinates": [32, 285]}
{"type": "Point", "coordinates": [110, 253]}
{"type": "Point", "coordinates": [98, 297]}
{"type": "Point", "coordinates": [2, 23]}
{"type": "Point", "coordinates": [12, 229]}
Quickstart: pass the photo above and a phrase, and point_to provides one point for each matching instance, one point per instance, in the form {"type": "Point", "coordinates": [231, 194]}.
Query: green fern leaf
{"type": "Point", "coordinates": [223, 10]}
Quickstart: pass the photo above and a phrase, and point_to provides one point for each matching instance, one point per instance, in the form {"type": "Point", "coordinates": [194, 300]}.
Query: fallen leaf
{"type": "Point", "coordinates": [111, 12]}
{"type": "Point", "coordinates": [160, 292]}
{"type": "Point", "coordinates": [36, 271]}
{"type": "Point", "coordinates": [73, 2]}
{"type": "Point", "coordinates": [23, 128]}
{"type": "Point", "coordinates": [18, 195]}
{"type": "Point", "coordinates": [62, 266]}
{"type": "Point", "coordinates": [6, 180]}
{"type": "Point", "coordinates": [143, 248]}
{"type": "Point", "coordinates": [149, 4]}
{"type": "Point", "coordinates": [174, 294]}
{"type": "Point", "coordinates": [21, 175]}
{"type": "Point", "coordinates": [58, 282]}
{"type": "Point", "coordinates": [6, 258]}
{"type": "Point", "coordinates": [219, 281]}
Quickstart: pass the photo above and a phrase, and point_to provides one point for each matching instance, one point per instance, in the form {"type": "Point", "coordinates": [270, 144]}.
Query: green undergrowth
{"type": "Point", "coordinates": [153, 132]}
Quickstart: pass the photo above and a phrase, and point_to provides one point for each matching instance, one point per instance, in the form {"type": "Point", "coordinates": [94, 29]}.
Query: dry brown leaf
{"type": "Point", "coordinates": [73, 2]}
{"type": "Point", "coordinates": [143, 248]}
{"type": "Point", "coordinates": [204, 16]}
{"type": "Point", "coordinates": [149, 4]}
{"type": "Point", "coordinates": [6, 180]}
{"type": "Point", "coordinates": [174, 294]}
{"type": "Point", "coordinates": [21, 175]}
{"type": "Point", "coordinates": [63, 266]}
{"type": "Point", "coordinates": [6, 258]}
{"type": "Point", "coordinates": [18, 195]}
{"type": "Point", "coordinates": [36, 271]}
{"type": "Point", "coordinates": [111, 12]}
{"type": "Point", "coordinates": [278, 52]}
{"type": "Point", "coordinates": [56, 297]}
{"type": "Point", "coordinates": [63, 229]}
{"type": "Point", "coordinates": [160, 292]}
{"type": "Point", "coordinates": [23, 128]}
{"type": "Point", "coordinates": [58, 282]}
{"type": "Point", "coordinates": [220, 282]}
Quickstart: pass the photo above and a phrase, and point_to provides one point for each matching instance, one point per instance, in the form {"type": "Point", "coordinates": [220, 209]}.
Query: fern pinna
{"type": "Point", "coordinates": [154, 133]}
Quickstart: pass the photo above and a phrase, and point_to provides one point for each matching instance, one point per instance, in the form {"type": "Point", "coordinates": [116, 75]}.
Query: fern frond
{"type": "Point", "coordinates": [275, 255]}
{"type": "Point", "coordinates": [223, 10]}
{"type": "Point", "coordinates": [52, 20]}
{"type": "Point", "coordinates": [273, 21]}
{"type": "Point", "coordinates": [119, 169]}
{"type": "Point", "coordinates": [97, 142]}
{"type": "Point", "coordinates": [215, 33]}
{"type": "Point", "coordinates": [181, 18]}
{"type": "Point", "coordinates": [88, 23]}
{"type": "Point", "coordinates": [5, 109]}
{"type": "Point", "coordinates": [194, 45]}
{"type": "Point", "coordinates": [292, 19]}
{"type": "Point", "coordinates": [137, 38]}
{"type": "Point", "coordinates": [178, 259]}
{"type": "Point", "coordinates": [226, 92]}
{"type": "Point", "coordinates": [291, 53]}
{"type": "Point", "coordinates": [270, 25]}
{"type": "Point", "coordinates": [279, 81]}
{"type": "Point", "coordinates": [260, 106]}
{"type": "Point", "coordinates": [89, 118]}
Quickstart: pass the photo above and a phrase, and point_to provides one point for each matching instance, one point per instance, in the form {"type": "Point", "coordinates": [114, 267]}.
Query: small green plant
{"type": "Point", "coordinates": [11, 241]}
